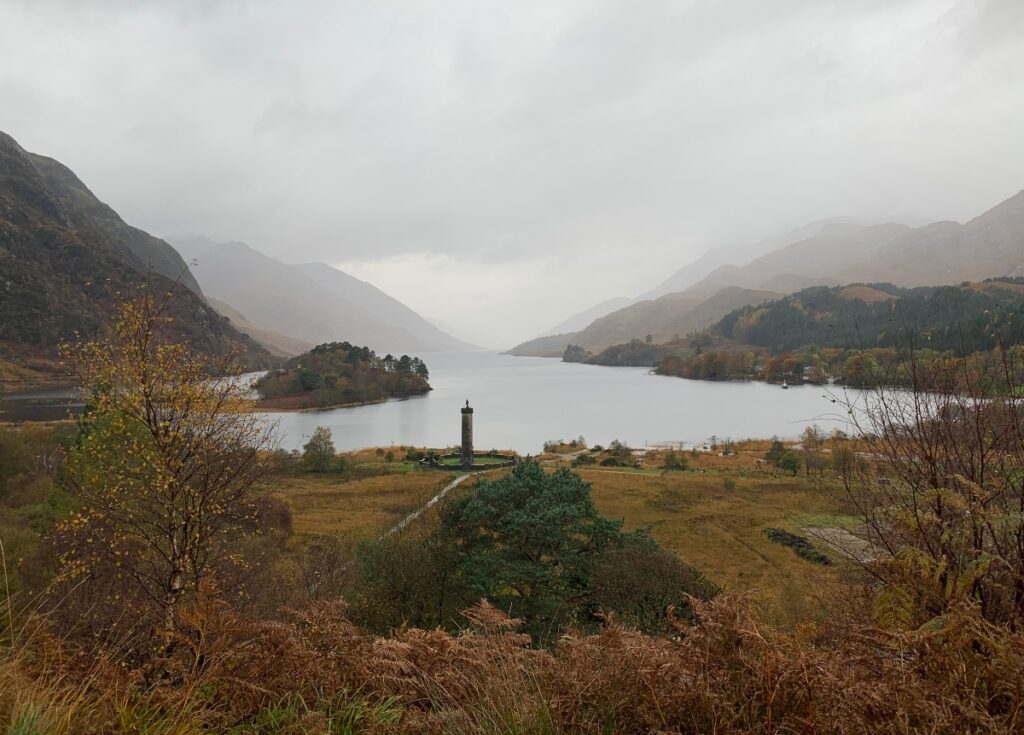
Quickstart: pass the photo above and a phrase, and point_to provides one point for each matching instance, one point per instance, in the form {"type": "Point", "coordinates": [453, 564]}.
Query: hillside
{"type": "Point", "coordinates": [312, 303]}
{"type": "Point", "coordinates": [552, 345]}
{"type": "Point", "coordinates": [828, 257]}
{"type": "Point", "coordinates": [956, 319]}
{"type": "Point", "coordinates": [991, 244]}
{"type": "Point", "coordinates": [583, 319]}
{"type": "Point", "coordinates": [68, 260]}
{"type": "Point", "coordinates": [664, 318]}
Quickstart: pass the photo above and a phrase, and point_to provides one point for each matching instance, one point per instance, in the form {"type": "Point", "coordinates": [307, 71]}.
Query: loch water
{"type": "Point", "coordinates": [519, 402]}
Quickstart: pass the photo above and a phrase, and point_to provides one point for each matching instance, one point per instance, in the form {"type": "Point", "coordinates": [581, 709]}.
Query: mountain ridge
{"type": "Point", "coordinates": [69, 260]}
{"type": "Point", "coordinates": [311, 302]}
{"type": "Point", "coordinates": [832, 252]}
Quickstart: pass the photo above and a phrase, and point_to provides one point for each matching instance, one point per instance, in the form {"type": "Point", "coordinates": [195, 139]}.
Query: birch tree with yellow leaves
{"type": "Point", "coordinates": [164, 472]}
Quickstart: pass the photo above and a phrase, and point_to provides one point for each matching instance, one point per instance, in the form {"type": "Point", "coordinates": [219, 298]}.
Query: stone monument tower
{"type": "Point", "coordinates": [467, 435]}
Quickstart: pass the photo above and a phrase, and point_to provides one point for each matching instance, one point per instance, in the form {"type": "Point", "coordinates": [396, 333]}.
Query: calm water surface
{"type": "Point", "coordinates": [45, 404]}
{"type": "Point", "coordinates": [520, 402]}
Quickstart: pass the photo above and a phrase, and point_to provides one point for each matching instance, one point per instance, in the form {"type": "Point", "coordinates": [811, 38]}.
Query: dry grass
{"type": "Point", "coordinates": [743, 459]}
{"type": "Point", "coordinates": [317, 673]}
{"type": "Point", "coordinates": [335, 503]}
{"type": "Point", "coordinates": [26, 373]}
{"type": "Point", "coordinates": [720, 531]}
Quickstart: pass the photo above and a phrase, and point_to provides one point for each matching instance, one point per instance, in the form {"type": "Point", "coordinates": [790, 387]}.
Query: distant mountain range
{"type": "Point", "coordinates": [311, 303]}
{"type": "Point", "coordinates": [824, 253]}
{"type": "Point", "coordinates": [67, 260]}
{"type": "Point", "coordinates": [741, 255]}
{"type": "Point", "coordinates": [700, 269]}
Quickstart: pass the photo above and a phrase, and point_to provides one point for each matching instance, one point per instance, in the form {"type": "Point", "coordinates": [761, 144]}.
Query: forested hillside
{"type": "Point", "coordinates": [858, 334]}
{"type": "Point", "coordinates": [958, 319]}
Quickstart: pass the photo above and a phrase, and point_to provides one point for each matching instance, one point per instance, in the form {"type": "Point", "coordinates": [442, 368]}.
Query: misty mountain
{"type": "Point", "coordinates": [824, 253]}
{"type": "Point", "coordinates": [737, 256]}
{"type": "Point", "coordinates": [311, 303]}
{"type": "Point", "coordinates": [991, 244]}
{"type": "Point", "coordinates": [276, 343]}
{"type": "Point", "coordinates": [68, 260]}
{"type": "Point", "coordinates": [665, 318]}
{"type": "Point", "coordinates": [579, 321]}
{"type": "Point", "coordinates": [941, 253]}
{"type": "Point", "coordinates": [829, 257]}
{"type": "Point", "coordinates": [722, 268]}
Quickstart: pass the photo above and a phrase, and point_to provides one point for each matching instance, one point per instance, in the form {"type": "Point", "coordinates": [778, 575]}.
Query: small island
{"type": "Point", "coordinates": [341, 374]}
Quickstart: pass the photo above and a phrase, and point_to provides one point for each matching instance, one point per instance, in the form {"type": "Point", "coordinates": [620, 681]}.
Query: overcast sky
{"type": "Point", "coordinates": [500, 165]}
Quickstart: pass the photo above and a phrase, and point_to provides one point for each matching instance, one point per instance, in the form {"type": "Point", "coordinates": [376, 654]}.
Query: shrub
{"type": "Point", "coordinates": [676, 462]}
{"type": "Point", "coordinates": [803, 548]}
{"type": "Point", "coordinates": [644, 584]}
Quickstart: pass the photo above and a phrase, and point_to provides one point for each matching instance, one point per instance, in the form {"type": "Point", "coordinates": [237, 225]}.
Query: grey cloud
{"type": "Point", "coordinates": [506, 131]}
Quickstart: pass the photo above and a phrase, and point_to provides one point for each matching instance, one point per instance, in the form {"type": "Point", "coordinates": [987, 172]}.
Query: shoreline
{"type": "Point", "coordinates": [259, 406]}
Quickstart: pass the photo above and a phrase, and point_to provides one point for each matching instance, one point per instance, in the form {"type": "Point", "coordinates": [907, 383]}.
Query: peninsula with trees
{"type": "Point", "coordinates": [341, 374]}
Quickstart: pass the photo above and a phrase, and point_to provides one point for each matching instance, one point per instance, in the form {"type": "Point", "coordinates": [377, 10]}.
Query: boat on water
{"type": "Point", "coordinates": [784, 385]}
